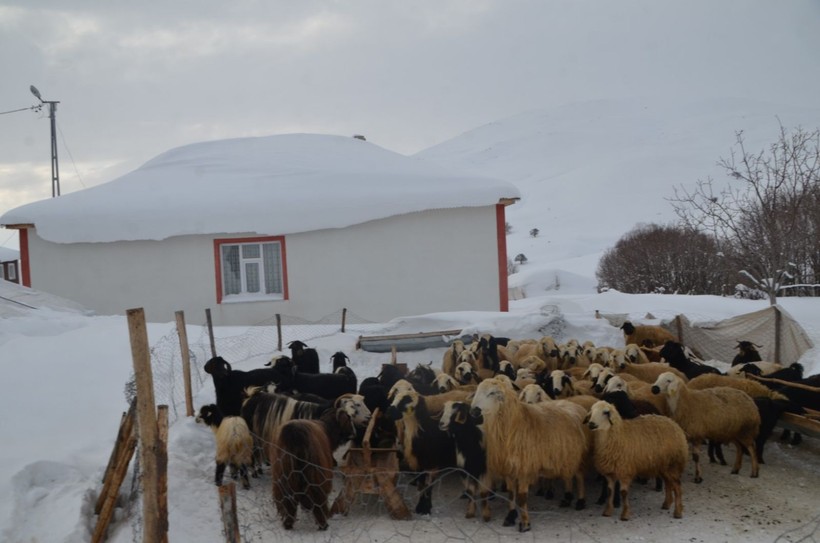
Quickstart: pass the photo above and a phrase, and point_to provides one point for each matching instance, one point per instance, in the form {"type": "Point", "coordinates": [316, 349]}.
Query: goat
{"type": "Point", "coordinates": [338, 360]}
{"type": "Point", "coordinates": [675, 355]}
{"type": "Point", "coordinates": [305, 358]}
{"type": "Point", "coordinates": [234, 443]}
{"type": "Point", "coordinates": [230, 384]}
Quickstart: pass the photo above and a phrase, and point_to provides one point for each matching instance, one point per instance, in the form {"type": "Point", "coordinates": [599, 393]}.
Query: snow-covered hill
{"type": "Point", "coordinates": [590, 171]}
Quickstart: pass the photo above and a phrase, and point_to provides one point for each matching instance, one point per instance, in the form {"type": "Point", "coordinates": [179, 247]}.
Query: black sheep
{"type": "Point", "coordinates": [674, 354]}
{"type": "Point", "coordinates": [747, 353]}
{"type": "Point", "coordinates": [230, 384]}
{"type": "Point", "coordinates": [305, 358]}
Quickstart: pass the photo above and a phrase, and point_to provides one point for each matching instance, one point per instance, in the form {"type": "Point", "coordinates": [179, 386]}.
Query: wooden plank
{"type": "Point", "coordinates": [162, 472]}
{"type": "Point", "coordinates": [797, 423]}
{"type": "Point", "coordinates": [125, 433]}
{"type": "Point", "coordinates": [227, 505]}
{"type": "Point", "coordinates": [185, 351]}
{"type": "Point", "coordinates": [146, 422]}
{"type": "Point", "coordinates": [110, 494]}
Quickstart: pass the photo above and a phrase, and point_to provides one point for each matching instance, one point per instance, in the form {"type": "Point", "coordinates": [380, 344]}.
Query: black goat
{"type": "Point", "coordinates": [230, 384]}
{"type": "Point", "coordinates": [425, 447]}
{"type": "Point", "coordinates": [305, 358]}
{"type": "Point", "coordinates": [675, 355]}
{"type": "Point", "coordinates": [339, 360]}
{"type": "Point", "coordinates": [422, 378]}
{"type": "Point", "coordinates": [375, 397]}
{"type": "Point", "coordinates": [390, 375]}
{"type": "Point", "coordinates": [466, 432]}
{"type": "Point", "coordinates": [747, 353]}
{"type": "Point", "coordinates": [327, 385]}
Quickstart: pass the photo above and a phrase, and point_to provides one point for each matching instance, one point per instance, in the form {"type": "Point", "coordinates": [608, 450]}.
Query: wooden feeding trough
{"type": "Point", "coordinates": [372, 470]}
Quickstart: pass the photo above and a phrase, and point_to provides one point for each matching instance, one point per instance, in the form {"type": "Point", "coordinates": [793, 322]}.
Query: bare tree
{"type": "Point", "coordinates": [759, 216]}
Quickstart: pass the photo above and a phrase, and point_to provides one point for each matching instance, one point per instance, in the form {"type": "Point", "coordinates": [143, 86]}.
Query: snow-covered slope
{"type": "Point", "coordinates": [589, 172]}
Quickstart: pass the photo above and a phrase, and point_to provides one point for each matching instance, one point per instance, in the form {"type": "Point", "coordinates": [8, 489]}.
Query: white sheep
{"type": "Point", "coordinates": [719, 414]}
{"type": "Point", "coordinates": [646, 446]}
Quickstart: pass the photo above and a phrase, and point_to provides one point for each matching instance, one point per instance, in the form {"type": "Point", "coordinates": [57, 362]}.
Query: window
{"type": "Point", "coordinates": [251, 269]}
{"type": "Point", "coordinates": [12, 276]}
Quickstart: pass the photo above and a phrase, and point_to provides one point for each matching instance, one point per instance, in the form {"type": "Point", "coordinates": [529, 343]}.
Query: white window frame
{"type": "Point", "coordinates": [278, 275]}
{"type": "Point", "coordinates": [12, 276]}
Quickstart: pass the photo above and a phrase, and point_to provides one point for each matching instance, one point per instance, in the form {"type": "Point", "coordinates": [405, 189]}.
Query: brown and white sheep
{"type": "Point", "coordinates": [526, 441]}
{"type": "Point", "coordinates": [646, 446]}
{"type": "Point", "coordinates": [234, 443]}
{"type": "Point", "coordinates": [546, 349]}
{"type": "Point", "coordinates": [635, 354]}
{"type": "Point", "coordinates": [646, 334]}
{"type": "Point", "coordinates": [720, 414]}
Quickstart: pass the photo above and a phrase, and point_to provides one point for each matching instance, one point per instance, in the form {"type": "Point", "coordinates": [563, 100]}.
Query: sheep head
{"type": "Point", "coordinates": [628, 328]}
{"type": "Point", "coordinates": [218, 367]}
{"type": "Point", "coordinates": [602, 416]}
{"type": "Point", "coordinates": [533, 393]}
{"type": "Point", "coordinates": [401, 386]}
{"type": "Point", "coordinates": [445, 383]}
{"type": "Point", "coordinates": [616, 383]}
{"type": "Point", "coordinates": [632, 352]}
{"type": "Point", "coordinates": [489, 397]}
{"type": "Point", "coordinates": [464, 372]}
{"type": "Point", "coordinates": [354, 406]}
{"type": "Point", "coordinates": [558, 381]}
{"type": "Point", "coordinates": [593, 371]}
{"type": "Point", "coordinates": [404, 403]}
{"type": "Point", "coordinates": [667, 383]}
{"type": "Point", "coordinates": [453, 413]}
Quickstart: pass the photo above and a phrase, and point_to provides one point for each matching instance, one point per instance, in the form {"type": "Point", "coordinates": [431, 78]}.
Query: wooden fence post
{"type": "Point", "coordinates": [279, 332]}
{"type": "Point", "coordinates": [186, 362]}
{"type": "Point", "coordinates": [147, 423]}
{"type": "Point", "coordinates": [162, 472]}
{"type": "Point", "coordinates": [679, 327]}
{"type": "Point", "coordinates": [227, 504]}
{"type": "Point", "coordinates": [210, 331]}
{"type": "Point", "coordinates": [344, 318]}
{"type": "Point", "coordinates": [778, 329]}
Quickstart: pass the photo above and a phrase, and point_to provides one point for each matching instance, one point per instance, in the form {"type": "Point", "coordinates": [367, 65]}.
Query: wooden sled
{"type": "Point", "coordinates": [372, 471]}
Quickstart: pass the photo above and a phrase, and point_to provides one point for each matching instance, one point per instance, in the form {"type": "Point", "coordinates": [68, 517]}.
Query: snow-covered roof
{"type": "Point", "coordinates": [267, 185]}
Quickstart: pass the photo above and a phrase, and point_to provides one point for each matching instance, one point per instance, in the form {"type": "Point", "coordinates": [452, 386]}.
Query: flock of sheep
{"type": "Point", "coordinates": [514, 416]}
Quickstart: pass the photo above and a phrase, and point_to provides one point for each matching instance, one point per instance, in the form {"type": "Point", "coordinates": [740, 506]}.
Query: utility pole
{"type": "Point", "coordinates": [55, 169]}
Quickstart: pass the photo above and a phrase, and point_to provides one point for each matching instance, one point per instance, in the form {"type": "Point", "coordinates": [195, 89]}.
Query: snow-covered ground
{"type": "Point", "coordinates": [64, 392]}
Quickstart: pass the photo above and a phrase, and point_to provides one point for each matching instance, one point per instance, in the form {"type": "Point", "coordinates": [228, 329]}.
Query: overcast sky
{"type": "Point", "coordinates": [137, 78]}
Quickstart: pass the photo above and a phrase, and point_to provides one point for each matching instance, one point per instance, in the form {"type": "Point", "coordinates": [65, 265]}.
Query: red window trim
{"type": "Point", "coordinates": [218, 243]}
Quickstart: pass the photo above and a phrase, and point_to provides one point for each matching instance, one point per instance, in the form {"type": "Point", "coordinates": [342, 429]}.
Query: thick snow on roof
{"type": "Point", "coordinates": [7, 254]}
{"type": "Point", "coordinates": [268, 185]}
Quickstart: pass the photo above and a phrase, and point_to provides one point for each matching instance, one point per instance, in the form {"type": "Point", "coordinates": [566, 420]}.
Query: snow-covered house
{"type": "Point", "coordinates": [300, 225]}
{"type": "Point", "coordinates": [9, 262]}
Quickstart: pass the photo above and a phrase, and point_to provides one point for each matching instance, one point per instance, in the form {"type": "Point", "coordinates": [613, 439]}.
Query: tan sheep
{"type": "Point", "coordinates": [754, 389]}
{"type": "Point", "coordinates": [648, 372]}
{"type": "Point", "coordinates": [635, 354]}
{"type": "Point", "coordinates": [720, 414]}
{"type": "Point", "coordinates": [449, 361]}
{"type": "Point", "coordinates": [525, 442]}
{"type": "Point", "coordinates": [646, 335]}
{"type": "Point", "coordinates": [646, 446]}
{"type": "Point", "coordinates": [546, 349]}
{"type": "Point", "coordinates": [637, 391]}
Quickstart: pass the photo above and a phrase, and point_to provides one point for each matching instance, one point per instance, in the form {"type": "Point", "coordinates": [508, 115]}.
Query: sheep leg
{"type": "Point", "coordinates": [625, 512]}
{"type": "Point", "coordinates": [220, 473]}
{"type": "Point", "coordinates": [320, 514]}
{"type": "Point", "coordinates": [696, 460]}
{"type": "Point", "coordinates": [521, 505]}
{"type": "Point", "coordinates": [676, 490]}
{"type": "Point", "coordinates": [581, 502]}
{"type": "Point", "coordinates": [610, 483]}
{"type": "Point", "coordinates": [667, 498]}
{"type": "Point", "coordinates": [753, 455]}
{"type": "Point", "coordinates": [470, 487]}
{"type": "Point", "coordinates": [604, 491]}
{"type": "Point", "coordinates": [425, 503]}
{"type": "Point", "coordinates": [716, 453]}
{"type": "Point", "coordinates": [288, 512]}
{"type": "Point", "coordinates": [486, 515]}
{"type": "Point", "coordinates": [512, 512]}
{"type": "Point", "coordinates": [243, 476]}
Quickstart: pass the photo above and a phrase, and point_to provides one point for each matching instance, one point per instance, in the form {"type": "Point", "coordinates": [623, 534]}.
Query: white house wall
{"type": "Point", "coordinates": [431, 261]}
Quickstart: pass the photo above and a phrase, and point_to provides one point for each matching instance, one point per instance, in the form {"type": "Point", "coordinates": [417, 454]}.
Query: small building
{"type": "Point", "coordinates": [9, 265]}
{"type": "Point", "coordinates": [301, 225]}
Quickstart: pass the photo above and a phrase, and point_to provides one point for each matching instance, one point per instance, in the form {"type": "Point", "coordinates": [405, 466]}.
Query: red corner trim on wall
{"type": "Point", "coordinates": [501, 234]}
{"type": "Point", "coordinates": [25, 271]}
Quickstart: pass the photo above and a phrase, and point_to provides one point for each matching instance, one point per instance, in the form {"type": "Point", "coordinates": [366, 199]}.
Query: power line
{"type": "Point", "coordinates": [37, 107]}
